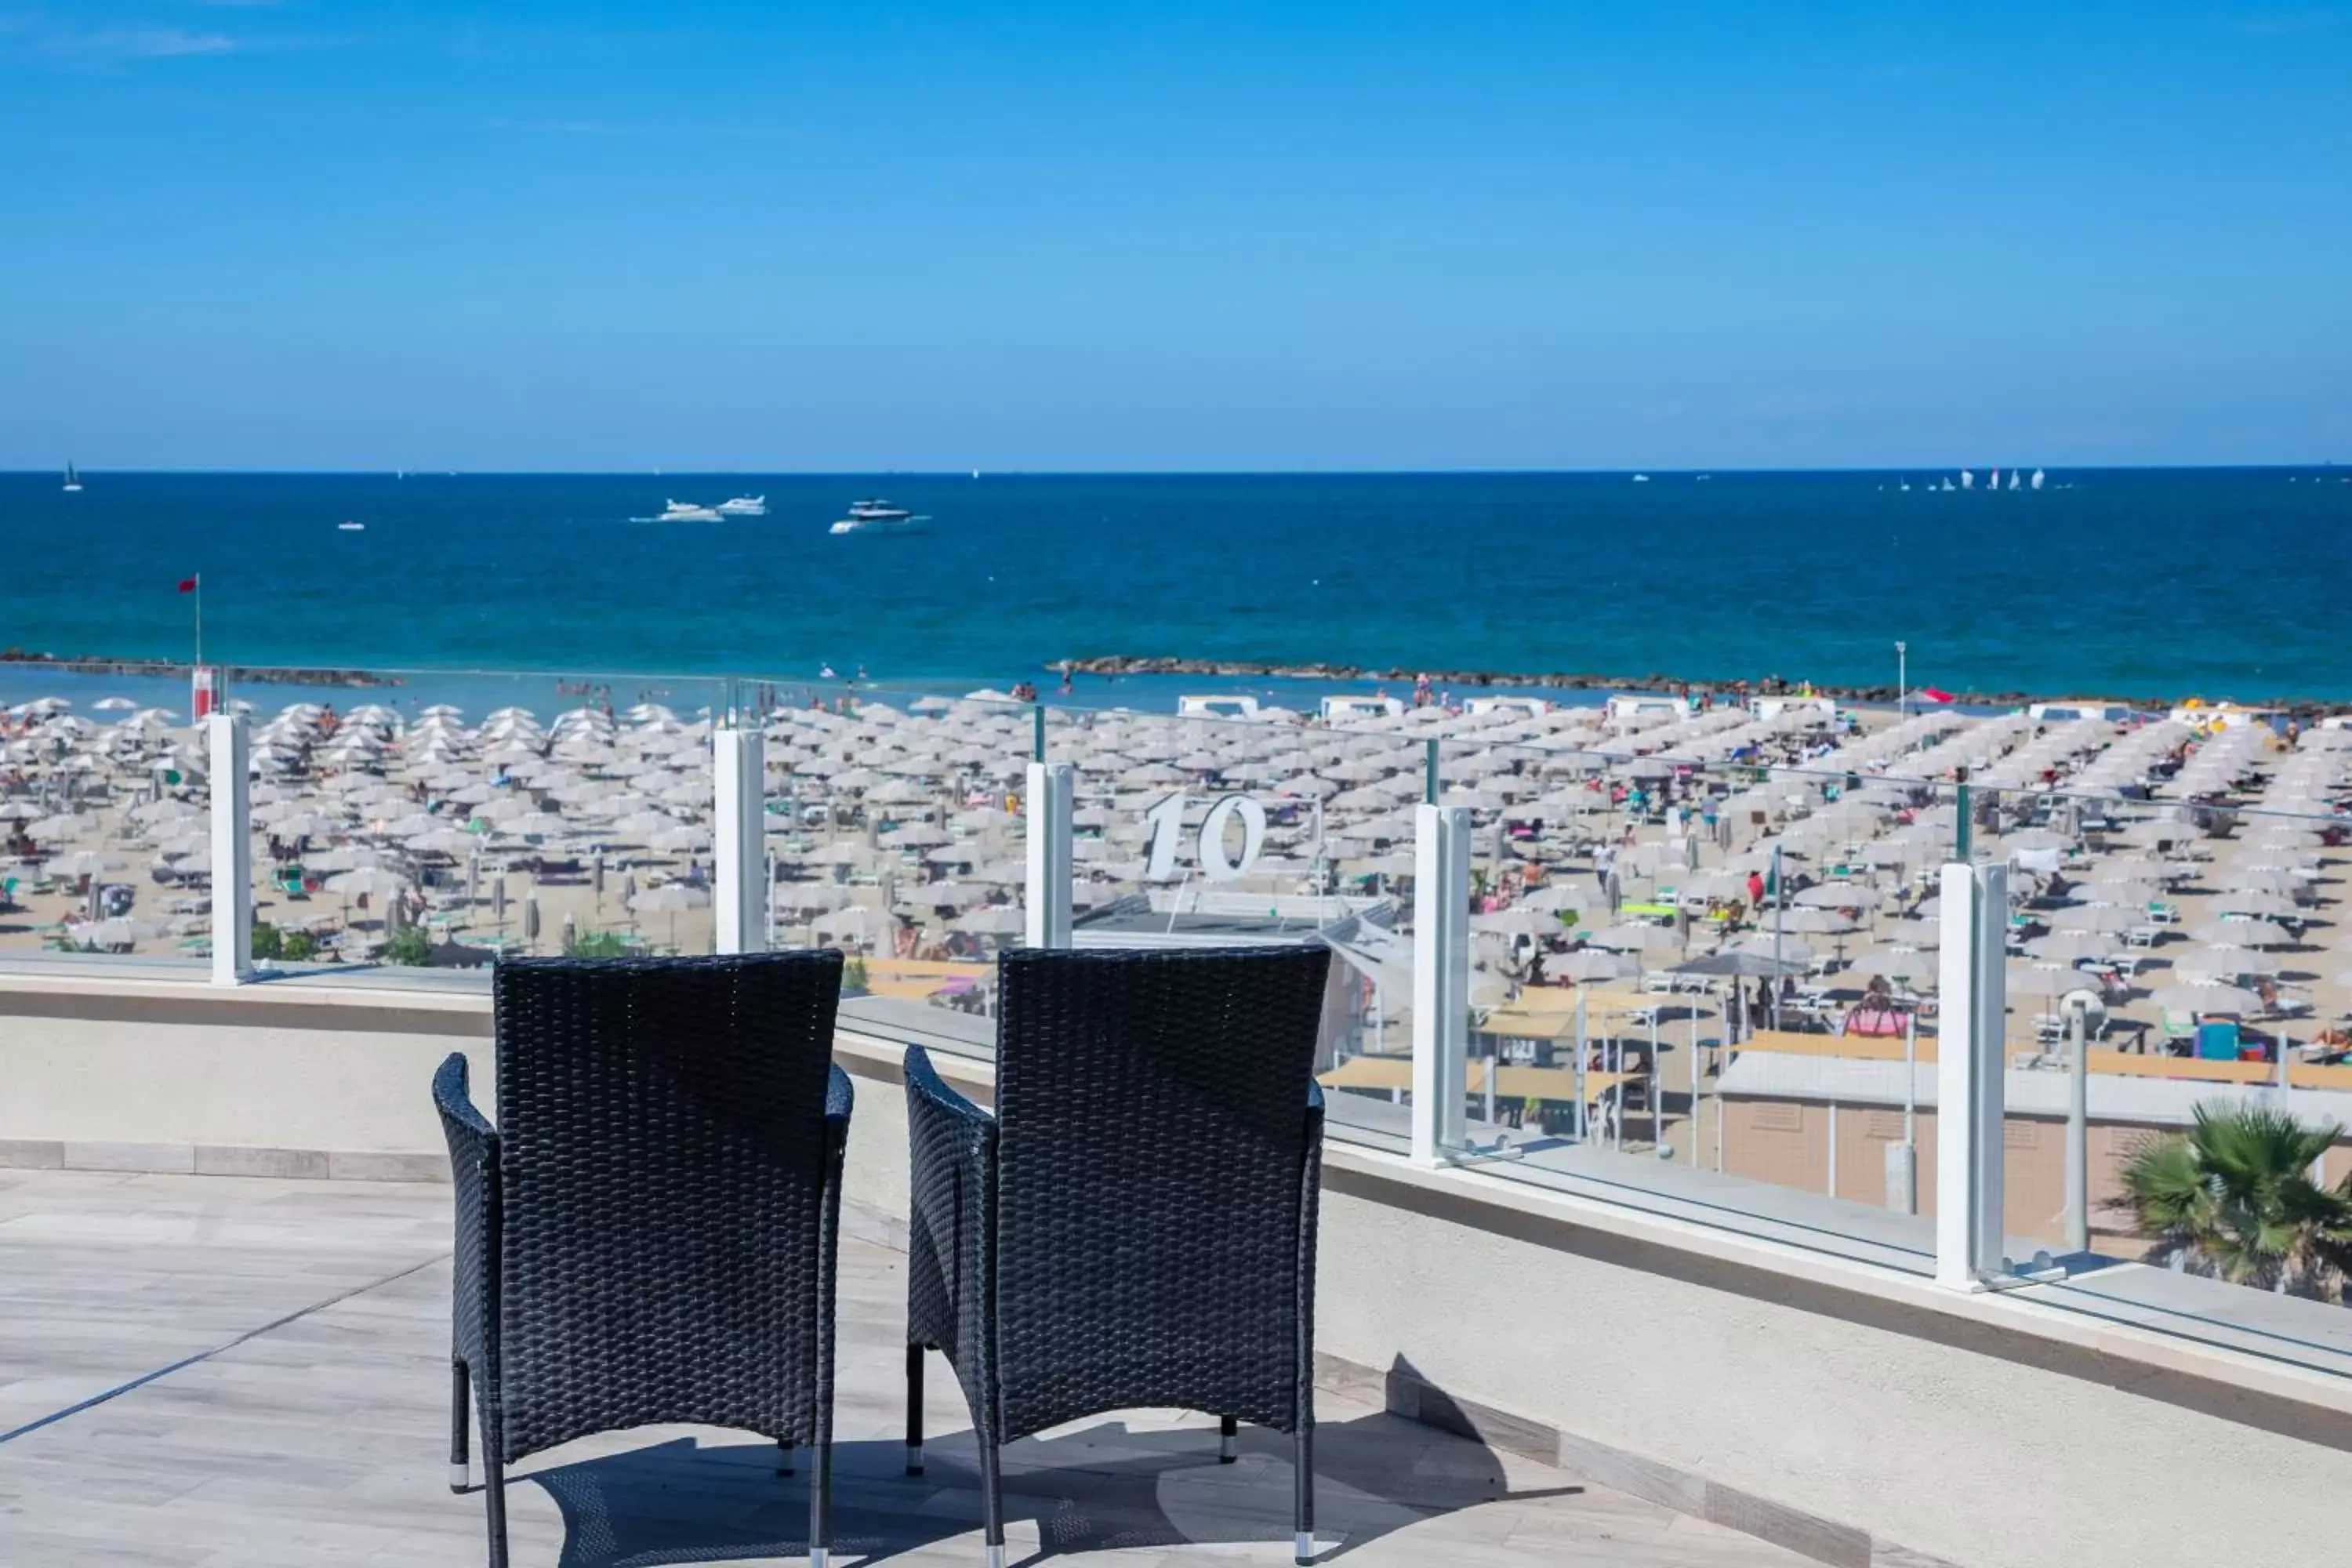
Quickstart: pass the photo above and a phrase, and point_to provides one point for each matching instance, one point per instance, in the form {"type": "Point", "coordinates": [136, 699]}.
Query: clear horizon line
{"type": "Point", "coordinates": [962, 471]}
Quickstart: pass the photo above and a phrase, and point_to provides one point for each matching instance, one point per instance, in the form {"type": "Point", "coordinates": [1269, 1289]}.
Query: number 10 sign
{"type": "Point", "coordinates": [1167, 820]}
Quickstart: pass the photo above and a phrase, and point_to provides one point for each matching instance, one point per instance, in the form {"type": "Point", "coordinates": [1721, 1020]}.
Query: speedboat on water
{"type": "Point", "coordinates": [685, 511]}
{"type": "Point", "coordinates": [744, 506]}
{"type": "Point", "coordinates": [877, 516]}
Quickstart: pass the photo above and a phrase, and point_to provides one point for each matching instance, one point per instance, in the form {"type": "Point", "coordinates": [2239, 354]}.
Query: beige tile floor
{"type": "Point", "coordinates": [292, 1339]}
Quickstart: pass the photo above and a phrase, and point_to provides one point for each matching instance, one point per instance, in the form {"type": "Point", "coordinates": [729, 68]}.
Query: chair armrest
{"type": "Point", "coordinates": [474, 1172]}
{"type": "Point", "coordinates": [950, 1233]}
{"type": "Point", "coordinates": [840, 1100]}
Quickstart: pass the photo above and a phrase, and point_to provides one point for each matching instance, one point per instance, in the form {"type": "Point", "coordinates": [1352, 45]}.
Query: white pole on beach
{"type": "Point", "coordinates": [1695, 1087]}
{"type": "Point", "coordinates": [1581, 1130]}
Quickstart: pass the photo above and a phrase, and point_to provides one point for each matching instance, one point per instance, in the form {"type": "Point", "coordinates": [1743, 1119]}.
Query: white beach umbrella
{"type": "Point", "coordinates": [2239, 934]}
{"type": "Point", "coordinates": [2206, 998]}
{"type": "Point", "coordinates": [2069, 946]}
{"type": "Point", "coordinates": [373, 879]}
{"type": "Point", "coordinates": [2096, 918]}
{"type": "Point", "coordinates": [995, 921]}
{"type": "Point", "coordinates": [85, 863]}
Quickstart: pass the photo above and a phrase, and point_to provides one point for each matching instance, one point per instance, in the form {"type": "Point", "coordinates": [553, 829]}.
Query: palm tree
{"type": "Point", "coordinates": [2236, 1197]}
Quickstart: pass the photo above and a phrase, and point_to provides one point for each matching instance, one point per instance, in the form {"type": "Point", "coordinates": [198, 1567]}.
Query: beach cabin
{"type": "Point", "coordinates": [1356, 709]}
{"type": "Point", "coordinates": [1815, 711]}
{"type": "Point", "coordinates": [1217, 707]}
{"type": "Point", "coordinates": [2223, 715]}
{"type": "Point", "coordinates": [1638, 709]}
{"type": "Point", "coordinates": [1527, 707]}
{"type": "Point", "coordinates": [2074, 708]}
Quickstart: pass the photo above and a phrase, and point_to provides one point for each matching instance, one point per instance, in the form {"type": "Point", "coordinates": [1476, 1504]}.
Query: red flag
{"type": "Point", "coordinates": [1933, 695]}
{"type": "Point", "coordinates": [187, 584]}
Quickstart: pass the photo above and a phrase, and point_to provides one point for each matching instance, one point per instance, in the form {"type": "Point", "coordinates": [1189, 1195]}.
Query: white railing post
{"type": "Point", "coordinates": [228, 757]}
{"type": "Point", "coordinates": [1972, 1057]}
{"type": "Point", "coordinates": [739, 844]}
{"type": "Point", "coordinates": [1441, 978]}
{"type": "Point", "coordinates": [1053, 789]}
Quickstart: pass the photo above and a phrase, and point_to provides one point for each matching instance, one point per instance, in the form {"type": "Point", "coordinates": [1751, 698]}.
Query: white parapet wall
{"type": "Point", "coordinates": [272, 1080]}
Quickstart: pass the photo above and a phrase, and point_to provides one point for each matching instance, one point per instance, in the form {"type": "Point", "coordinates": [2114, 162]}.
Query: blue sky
{"type": "Point", "coordinates": [386, 233]}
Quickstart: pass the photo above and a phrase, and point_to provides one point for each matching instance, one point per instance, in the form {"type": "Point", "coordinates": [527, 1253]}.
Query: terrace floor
{"type": "Point", "coordinates": [198, 1371]}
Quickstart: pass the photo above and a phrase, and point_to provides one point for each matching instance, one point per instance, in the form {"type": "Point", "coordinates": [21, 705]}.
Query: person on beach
{"type": "Point", "coordinates": [1756, 891]}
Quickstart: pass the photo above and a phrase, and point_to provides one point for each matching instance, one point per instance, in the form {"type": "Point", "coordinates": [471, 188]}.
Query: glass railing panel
{"type": "Point", "coordinates": [435, 820]}
{"type": "Point", "coordinates": [897, 832]}
{"type": "Point", "coordinates": [104, 819]}
{"type": "Point", "coordinates": [1239, 823]}
{"type": "Point", "coordinates": [1699, 975]}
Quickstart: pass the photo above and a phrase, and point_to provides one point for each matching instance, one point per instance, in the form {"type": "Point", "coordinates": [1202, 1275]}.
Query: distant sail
{"type": "Point", "coordinates": [73, 481]}
{"type": "Point", "coordinates": [2012, 478]}
{"type": "Point", "coordinates": [1968, 480]}
{"type": "Point", "coordinates": [2037, 479]}
{"type": "Point", "coordinates": [1993, 483]}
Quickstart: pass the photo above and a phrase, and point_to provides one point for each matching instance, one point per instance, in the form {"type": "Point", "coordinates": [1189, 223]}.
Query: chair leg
{"type": "Point", "coordinates": [1303, 1469]}
{"type": "Point", "coordinates": [494, 1494]}
{"type": "Point", "coordinates": [460, 1476]}
{"type": "Point", "coordinates": [1228, 1433]}
{"type": "Point", "coordinates": [821, 1503]}
{"type": "Point", "coordinates": [914, 1410]}
{"type": "Point", "coordinates": [991, 1503]}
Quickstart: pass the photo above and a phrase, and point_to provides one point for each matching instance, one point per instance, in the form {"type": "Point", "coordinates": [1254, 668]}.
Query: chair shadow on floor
{"type": "Point", "coordinates": [1099, 1487]}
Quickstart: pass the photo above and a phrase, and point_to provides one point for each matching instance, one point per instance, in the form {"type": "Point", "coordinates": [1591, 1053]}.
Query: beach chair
{"type": "Point", "coordinates": [2174, 1025]}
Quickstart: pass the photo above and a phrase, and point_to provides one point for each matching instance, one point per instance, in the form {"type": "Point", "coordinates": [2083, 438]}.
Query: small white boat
{"type": "Point", "coordinates": [2012, 478]}
{"type": "Point", "coordinates": [73, 481]}
{"type": "Point", "coordinates": [2037, 479]}
{"type": "Point", "coordinates": [877, 516]}
{"type": "Point", "coordinates": [1641, 479]}
{"type": "Point", "coordinates": [683, 512]}
{"type": "Point", "coordinates": [351, 527]}
{"type": "Point", "coordinates": [744, 506]}
{"type": "Point", "coordinates": [1968, 480]}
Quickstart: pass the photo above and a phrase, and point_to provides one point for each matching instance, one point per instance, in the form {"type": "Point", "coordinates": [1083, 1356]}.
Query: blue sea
{"type": "Point", "coordinates": [2140, 583]}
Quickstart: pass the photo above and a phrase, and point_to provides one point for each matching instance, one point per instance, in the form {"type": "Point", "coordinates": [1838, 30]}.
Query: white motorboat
{"type": "Point", "coordinates": [744, 506]}
{"type": "Point", "coordinates": [683, 512]}
{"type": "Point", "coordinates": [877, 516]}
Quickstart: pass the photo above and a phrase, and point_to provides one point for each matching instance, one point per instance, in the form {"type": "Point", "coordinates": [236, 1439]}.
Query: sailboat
{"type": "Point", "coordinates": [1968, 480]}
{"type": "Point", "coordinates": [2012, 478]}
{"type": "Point", "coordinates": [73, 481]}
{"type": "Point", "coordinates": [1993, 483]}
{"type": "Point", "coordinates": [1948, 481]}
{"type": "Point", "coordinates": [2037, 479]}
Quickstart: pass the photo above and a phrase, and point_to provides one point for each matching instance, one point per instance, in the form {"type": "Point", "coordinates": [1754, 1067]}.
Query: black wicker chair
{"type": "Point", "coordinates": [1136, 1223]}
{"type": "Point", "coordinates": [649, 1234]}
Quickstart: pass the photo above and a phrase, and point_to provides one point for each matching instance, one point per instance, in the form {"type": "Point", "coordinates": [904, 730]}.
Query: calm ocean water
{"type": "Point", "coordinates": [2213, 581]}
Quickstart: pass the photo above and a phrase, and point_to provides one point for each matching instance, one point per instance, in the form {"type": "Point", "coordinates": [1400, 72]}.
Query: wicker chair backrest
{"type": "Point", "coordinates": [662, 1149]}
{"type": "Point", "coordinates": [1152, 1113]}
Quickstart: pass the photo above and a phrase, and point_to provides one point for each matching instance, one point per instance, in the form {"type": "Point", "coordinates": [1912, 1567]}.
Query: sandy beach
{"type": "Point", "coordinates": [2180, 868]}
